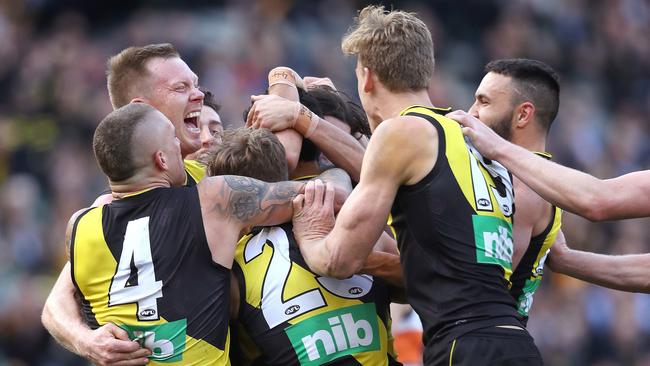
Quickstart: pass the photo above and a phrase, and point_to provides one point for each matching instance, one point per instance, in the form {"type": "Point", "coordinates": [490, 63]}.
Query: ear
{"type": "Point", "coordinates": [525, 114]}
{"type": "Point", "coordinates": [368, 79]}
{"type": "Point", "coordinates": [160, 160]}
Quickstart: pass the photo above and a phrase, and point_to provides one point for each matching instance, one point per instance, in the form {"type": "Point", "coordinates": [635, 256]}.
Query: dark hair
{"type": "Point", "coordinates": [338, 105]}
{"type": "Point", "coordinates": [252, 153]}
{"type": "Point", "coordinates": [112, 142]}
{"type": "Point", "coordinates": [126, 69]}
{"type": "Point", "coordinates": [209, 100]}
{"type": "Point", "coordinates": [534, 81]}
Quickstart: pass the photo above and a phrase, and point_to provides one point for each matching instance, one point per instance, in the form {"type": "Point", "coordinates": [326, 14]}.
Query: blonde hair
{"type": "Point", "coordinates": [396, 45]}
{"type": "Point", "coordinates": [126, 70]}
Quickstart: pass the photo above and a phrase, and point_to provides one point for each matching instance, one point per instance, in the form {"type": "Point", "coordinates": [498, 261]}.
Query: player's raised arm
{"type": "Point", "coordinates": [278, 114]}
{"type": "Point", "coordinates": [623, 197]}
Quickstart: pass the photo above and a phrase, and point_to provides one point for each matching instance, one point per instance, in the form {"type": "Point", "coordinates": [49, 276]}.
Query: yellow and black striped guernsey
{"type": "Point", "coordinates": [528, 275]}
{"type": "Point", "coordinates": [299, 318]}
{"type": "Point", "coordinates": [143, 263]}
{"type": "Point", "coordinates": [454, 231]}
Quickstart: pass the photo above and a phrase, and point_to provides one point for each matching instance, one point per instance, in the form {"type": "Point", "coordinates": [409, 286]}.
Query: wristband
{"type": "Point", "coordinates": [282, 75]}
{"type": "Point", "coordinates": [281, 81]}
{"type": "Point", "coordinates": [309, 119]}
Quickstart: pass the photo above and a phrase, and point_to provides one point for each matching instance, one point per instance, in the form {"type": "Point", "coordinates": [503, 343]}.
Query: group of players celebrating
{"type": "Point", "coordinates": [249, 246]}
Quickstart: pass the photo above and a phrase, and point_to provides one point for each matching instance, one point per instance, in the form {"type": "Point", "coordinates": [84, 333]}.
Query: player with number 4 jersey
{"type": "Point", "coordinates": [123, 252]}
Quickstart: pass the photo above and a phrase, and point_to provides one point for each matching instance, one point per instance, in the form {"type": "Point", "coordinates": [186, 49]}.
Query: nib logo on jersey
{"type": "Point", "coordinates": [335, 334]}
{"type": "Point", "coordinates": [493, 238]}
{"type": "Point", "coordinates": [166, 341]}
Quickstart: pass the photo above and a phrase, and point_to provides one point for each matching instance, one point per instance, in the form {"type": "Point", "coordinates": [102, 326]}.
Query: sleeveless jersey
{"type": "Point", "coordinates": [299, 318]}
{"type": "Point", "coordinates": [527, 278]}
{"type": "Point", "coordinates": [143, 263]}
{"type": "Point", "coordinates": [454, 231]}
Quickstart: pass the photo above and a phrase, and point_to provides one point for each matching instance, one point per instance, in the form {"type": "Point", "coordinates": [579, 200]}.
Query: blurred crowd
{"type": "Point", "coordinates": [53, 94]}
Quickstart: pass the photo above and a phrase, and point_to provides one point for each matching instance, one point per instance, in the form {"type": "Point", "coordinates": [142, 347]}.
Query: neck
{"type": "Point", "coordinates": [532, 141]}
{"type": "Point", "coordinates": [137, 184]}
{"type": "Point", "coordinates": [390, 104]}
{"type": "Point", "coordinates": [305, 168]}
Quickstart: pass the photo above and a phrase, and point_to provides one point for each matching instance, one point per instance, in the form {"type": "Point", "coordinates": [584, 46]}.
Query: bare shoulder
{"type": "Point", "coordinates": [406, 126]}
{"type": "Point", "coordinates": [406, 145]}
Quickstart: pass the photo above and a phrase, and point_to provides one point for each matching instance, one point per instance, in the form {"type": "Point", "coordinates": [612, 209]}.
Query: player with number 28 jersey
{"type": "Point", "coordinates": [143, 263]}
{"type": "Point", "coordinates": [299, 318]}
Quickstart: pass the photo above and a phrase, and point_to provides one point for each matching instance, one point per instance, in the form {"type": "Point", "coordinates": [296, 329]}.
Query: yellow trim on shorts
{"type": "Point", "coordinates": [451, 353]}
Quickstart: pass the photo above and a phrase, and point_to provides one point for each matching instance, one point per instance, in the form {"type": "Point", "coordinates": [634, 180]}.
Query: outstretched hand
{"type": "Point", "coordinates": [484, 139]}
{"type": "Point", "coordinates": [272, 112]}
{"type": "Point", "coordinates": [313, 211]}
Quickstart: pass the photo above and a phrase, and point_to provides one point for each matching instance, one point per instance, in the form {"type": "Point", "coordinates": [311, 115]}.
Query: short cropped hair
{"type": "Point", "coordinates": [252, 153]}
{"type": "Point", "coordinates": [396, 45]}
{"type": "Point", "coordinates": [112, 142]}
{"type": "Point", "coordinates": [209, 100]}
{"type": "Point", "coordinates": [533, 81]}
{"type": "Point", "coordinates": [126, 70]}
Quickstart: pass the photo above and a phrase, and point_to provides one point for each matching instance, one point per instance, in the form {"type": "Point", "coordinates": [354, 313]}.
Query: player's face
{"type": "Point", "coordinates": [211, 129]}
{"type": "Point", "coordinates": [174, 92]}
{"type": "Point", "coordinates": [494, 104]}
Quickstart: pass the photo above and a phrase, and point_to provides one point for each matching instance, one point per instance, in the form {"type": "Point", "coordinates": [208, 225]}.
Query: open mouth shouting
{"type": "Point", "coordinates": [191, 121]}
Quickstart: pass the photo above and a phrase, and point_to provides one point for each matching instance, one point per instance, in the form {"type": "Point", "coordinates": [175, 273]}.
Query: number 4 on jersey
{"type": "Point", "coordinates": [135, 279]}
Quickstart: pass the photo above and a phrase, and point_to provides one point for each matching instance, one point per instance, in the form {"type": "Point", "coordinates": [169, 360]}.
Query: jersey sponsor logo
{"type": "Point", "coordinates": [493, 238]}
{"type": "Point", "coordinates": [525, 301]}
{"type": "Point", "coordinates": [166, 341]}
{"type": "Point", "coordinates": [335, 334]}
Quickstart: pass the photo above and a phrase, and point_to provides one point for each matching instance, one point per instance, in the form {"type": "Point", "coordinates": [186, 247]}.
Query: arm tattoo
{"type": "Point", "coordinates": [249, 198]}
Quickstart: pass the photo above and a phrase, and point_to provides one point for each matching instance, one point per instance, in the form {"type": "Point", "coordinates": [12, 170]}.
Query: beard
{"type": "Point", "coordinates": [503, 127]}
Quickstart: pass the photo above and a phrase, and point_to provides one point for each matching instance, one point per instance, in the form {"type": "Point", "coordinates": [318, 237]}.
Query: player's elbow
{"type": "Point", "coordinates": [596, 209]}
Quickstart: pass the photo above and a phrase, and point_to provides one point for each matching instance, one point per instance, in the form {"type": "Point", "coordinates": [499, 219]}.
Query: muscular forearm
{"type": "Point", "coordinates": [626, 272]}
{"type": "Point", "coordinates": [567, 188]}
{"type": "Point", "coordinates": [61, 313]}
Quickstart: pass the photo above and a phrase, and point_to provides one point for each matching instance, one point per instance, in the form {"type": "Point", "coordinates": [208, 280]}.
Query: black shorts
{"type": "Point", "coordinates": [491, 346]}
